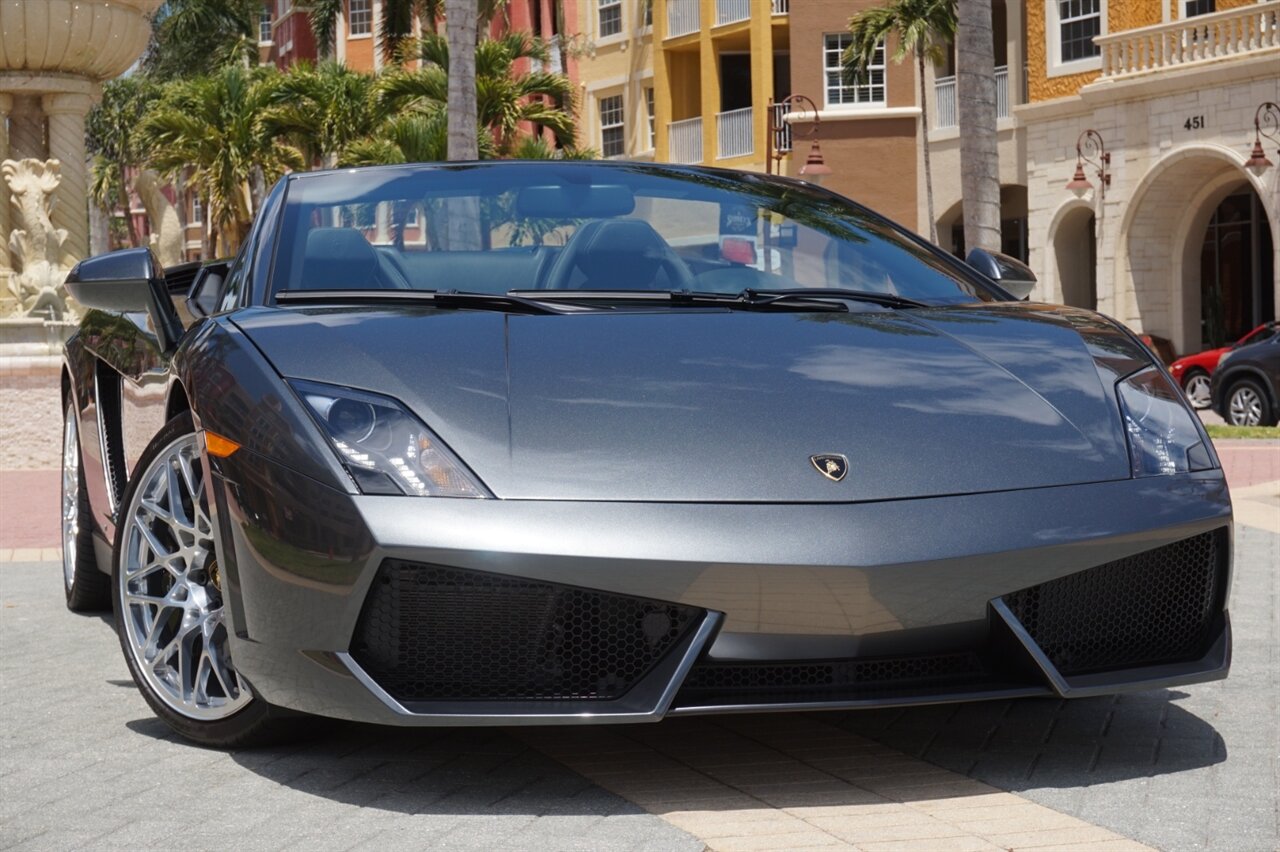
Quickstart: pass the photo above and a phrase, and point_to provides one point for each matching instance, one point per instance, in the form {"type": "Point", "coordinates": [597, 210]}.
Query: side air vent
{"type": "Point", "coordinates": [1154, 607]}
{"type": "Point", "coordinates": [106, 390]}
{"type": "Point", "coordinates": [433, 633]}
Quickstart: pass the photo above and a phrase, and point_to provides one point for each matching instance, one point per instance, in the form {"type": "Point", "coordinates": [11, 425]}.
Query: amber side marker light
{"type": "Point", "coordinates": [218, 445]}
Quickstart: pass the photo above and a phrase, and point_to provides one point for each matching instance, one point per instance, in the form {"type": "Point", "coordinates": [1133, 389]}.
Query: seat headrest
{"type": "Point", "coordinates": [338, 259]}
{"type": "Point", "coordinates": [627, 251]}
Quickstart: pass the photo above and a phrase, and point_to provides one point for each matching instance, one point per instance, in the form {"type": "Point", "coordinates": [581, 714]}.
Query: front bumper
{"type": "Point", "coordinates": [789, 606]}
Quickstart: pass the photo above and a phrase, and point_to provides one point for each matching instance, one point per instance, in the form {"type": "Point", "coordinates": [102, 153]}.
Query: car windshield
{"type": "Point", "coordinates": [595, 227]}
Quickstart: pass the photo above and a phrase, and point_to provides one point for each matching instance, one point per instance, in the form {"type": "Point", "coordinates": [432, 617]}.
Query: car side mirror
{"type": "Point", "coordinates": [128, 281]}
{"type": "Point", "coordinates": [1011, 274]}
{"type": "Point", "coordinates": [206, 289]}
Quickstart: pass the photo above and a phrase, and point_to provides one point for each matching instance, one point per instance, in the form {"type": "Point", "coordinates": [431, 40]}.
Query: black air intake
{"type": "Point", "coordinates": [431, 633]}
{"type": "Point", "coordinates": [1151, 608]}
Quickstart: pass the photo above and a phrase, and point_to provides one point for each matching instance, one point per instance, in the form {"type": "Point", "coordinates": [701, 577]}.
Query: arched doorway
{"type": "Point", "coordinates": [1075, 257]}
{"type": "Point", "coordinates": [1168, 284]}
{"type": "Point", "coordinates": [1237, 269]}
{"type": "Point", "coordinates": [1013, 224]}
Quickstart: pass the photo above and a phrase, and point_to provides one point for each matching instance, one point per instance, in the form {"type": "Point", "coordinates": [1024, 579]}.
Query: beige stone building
{"type": "Point", "coordinates": [1182, 242]}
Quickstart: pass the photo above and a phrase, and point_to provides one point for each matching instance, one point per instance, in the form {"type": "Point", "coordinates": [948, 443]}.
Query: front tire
{"type": "Point", "coordinates": [167, 595]}
{"type": "Point", "coordinates": [1248, 405]}
{"type": "Point", "coordinates": [87, 589]}
{"type": "Point", "coordinates": [1196, 385]}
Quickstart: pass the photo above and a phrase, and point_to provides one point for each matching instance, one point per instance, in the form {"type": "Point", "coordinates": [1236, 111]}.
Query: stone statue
{"type": "Point", "coordinates": [39, 286]}
{"type": "Point", "coordinates": [166, 229]}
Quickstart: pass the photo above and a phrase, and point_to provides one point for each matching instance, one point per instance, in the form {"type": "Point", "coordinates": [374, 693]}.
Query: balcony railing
{"type": "Point", "coordinates": [944, 90]}
{"type": "Point", "coordinates": [1200, 39]}
{"type": "Point", "coordinates": [781, 129]}
{"type": "Point", "coordinates": [730, 11]}
{"type": "Point", "coordinates": [684, 139]}
{"type": "Point", "coordinates": [735, 133]}
{"type": "Point", "coordinates": [683, 17]}
{"type": "Point", "coordinates": [781, 7]}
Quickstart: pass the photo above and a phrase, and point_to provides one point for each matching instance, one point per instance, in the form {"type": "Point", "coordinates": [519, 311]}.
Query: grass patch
{"type": "Point", "coordinates": [1218, 431]}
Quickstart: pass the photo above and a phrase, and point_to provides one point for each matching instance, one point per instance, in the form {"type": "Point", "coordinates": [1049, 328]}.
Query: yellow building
{"type": "Point", "coordinates": [716, 65]}
{"type": "Point", "coordinates": [614, 48]}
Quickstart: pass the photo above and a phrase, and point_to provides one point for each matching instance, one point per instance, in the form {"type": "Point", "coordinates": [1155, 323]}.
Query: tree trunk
{"type": "Point", "coordinates": [99, 230]}
{"type": "Point", "coordinates": [134, 239]}
{"type": "Point", "coordinates": [463, 216]}
{"type": "Point", "coordinates": [924, 143]}
{"type": "Point", "coordinates": [460, 28]}
{"type": "Point", "coordinates": [976, 103]}
{"type": "Point", "coordinates": [205, 227]}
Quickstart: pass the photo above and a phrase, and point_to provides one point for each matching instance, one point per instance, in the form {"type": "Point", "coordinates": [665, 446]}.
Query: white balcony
{"type": "Point", "coordinates": [735, 133]}
{"type": "Point", "coordinates": [731, 11]}
{"type": "Point", "coordinates": [684, 141]}
{"type": "Point", "coordinates": [781, 7]}
{"type": "Point", "coordinates": [781, 128]}
{"type": "Point", "coordinates": [944, 91]}
{"type": "Point", "coordinates": [683, 17]}
{"type": "Point", "coordinates": [1204, 38]}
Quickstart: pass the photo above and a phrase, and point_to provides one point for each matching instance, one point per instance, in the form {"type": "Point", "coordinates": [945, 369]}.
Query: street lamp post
{"type": "Point", "coordinates": [1268, 115]}
{"type": "Point", "coordinates": [814, 167]}
{"type": "Point", "coordinates": [1088, 146]}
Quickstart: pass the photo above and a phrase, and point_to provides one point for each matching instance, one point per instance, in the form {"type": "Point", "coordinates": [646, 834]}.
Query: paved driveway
{"type": "Point", "coordinates": [85, 764]}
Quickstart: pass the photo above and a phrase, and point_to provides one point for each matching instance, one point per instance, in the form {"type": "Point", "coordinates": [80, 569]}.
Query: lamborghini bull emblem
{"type": "Point", "coordinates": [831, 465]}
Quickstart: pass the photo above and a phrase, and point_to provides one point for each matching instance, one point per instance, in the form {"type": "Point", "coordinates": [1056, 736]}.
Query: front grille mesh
{"type": "Point", "coordinates": [1153, 607]}
{"type": "Point", "coordinates": [828, 679]}
{"type": "Point", "coordinates": [433, 633]}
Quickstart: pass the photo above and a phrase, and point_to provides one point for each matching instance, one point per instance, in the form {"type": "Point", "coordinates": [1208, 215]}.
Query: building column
{"type": "Point", "coordinates": [26, 129]}
{"type": "Point", "coordinates": [66, 113]}
{"type": "Point", "coordinates": [6, 106]}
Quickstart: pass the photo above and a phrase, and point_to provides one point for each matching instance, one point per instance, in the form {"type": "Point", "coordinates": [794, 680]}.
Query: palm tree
{"type": "Point", "coordinates": [213, 126]}
{"type": "Point", "coordinates": [460, 28]}
{"type": "Point", "coordinates": [412, 106]}
{"type": "Point", "coordinates": [322, 109]}
{"type": "Point", "coordinates": [923, 27]}
{"type": "Point", "coordinates": [504, 98]}
{"type": "Point", "coordinates": [976, 104]}
{"type": "Point", "coordinates": [398, 19]}
{"type": "Point", "coordinates": [194, 37]}
{"type": "Point", "coordinates": [111, 136]}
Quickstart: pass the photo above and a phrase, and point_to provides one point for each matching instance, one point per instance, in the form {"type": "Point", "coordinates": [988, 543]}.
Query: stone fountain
{"type": "Point", "coordinates": [54, 56]}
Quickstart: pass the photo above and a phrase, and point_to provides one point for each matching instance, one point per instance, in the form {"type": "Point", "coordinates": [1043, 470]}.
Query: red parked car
{"type": "Point", "coordinates": [1192, 372]}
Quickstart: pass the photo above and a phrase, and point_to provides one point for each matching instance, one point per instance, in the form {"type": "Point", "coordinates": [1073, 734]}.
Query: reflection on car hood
{"type": "Point", "coordinates": [699, 405]}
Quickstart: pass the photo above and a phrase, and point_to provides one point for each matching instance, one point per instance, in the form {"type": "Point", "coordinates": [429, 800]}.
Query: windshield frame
{"type": "Point", "coordinates": [950, 264]}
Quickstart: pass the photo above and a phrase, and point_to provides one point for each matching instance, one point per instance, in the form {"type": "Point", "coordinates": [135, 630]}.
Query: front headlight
{"type": "Point", "coordinates": [385, 448]}
{"type": "Point", "coordinates": [1163, 438]}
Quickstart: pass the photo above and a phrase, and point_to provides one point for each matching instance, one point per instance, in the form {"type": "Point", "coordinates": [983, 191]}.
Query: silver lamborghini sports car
{"type": "Point", "coordinates": [534, 443]}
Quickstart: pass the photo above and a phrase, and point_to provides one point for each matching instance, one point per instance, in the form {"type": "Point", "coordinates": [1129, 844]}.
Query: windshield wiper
{"type": "Point", "coordinates": [507, 302]}
{"type": "Point", "coordinates": [693, 298]}
{"type": "Point", "coordinates": [888, 300]}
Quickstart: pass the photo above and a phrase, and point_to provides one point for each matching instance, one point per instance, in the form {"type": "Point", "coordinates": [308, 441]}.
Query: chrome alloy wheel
{"type": "Point", "coordinates": [1245, 408]}
{"type": "Point", "coordinates": [70, 498]}
{"type": "Point", "coordinates": [170, 589]}
{"type": "Point", "coordinates": [1198, 391]}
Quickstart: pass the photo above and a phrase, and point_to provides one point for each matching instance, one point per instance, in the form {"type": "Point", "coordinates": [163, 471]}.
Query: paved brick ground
{"type": "Point", "coordinates": [83, 764]}
{"type": "Point", "coordinates": [1193, 768]}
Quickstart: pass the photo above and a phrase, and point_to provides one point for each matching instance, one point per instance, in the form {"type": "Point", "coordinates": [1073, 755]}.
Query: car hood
{"type": "Point", "coordinates": [711, 405]}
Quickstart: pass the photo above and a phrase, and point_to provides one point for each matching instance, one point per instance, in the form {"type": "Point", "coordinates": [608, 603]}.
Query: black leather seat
{"type": "Point", "coordinates": [618, 254]}
{"type": "Point", "coordinates": [339, 259]}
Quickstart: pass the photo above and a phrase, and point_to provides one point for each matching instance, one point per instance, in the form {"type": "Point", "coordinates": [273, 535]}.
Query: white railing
{"type": "Point", "coordinates": [944, 91]}
{"type": "Point", "coordinates": [683, 17]}
{"type": "Point", "coordinates": [684, 140]}
{"type": "Point", "coordinates": [730, 11]}
{"type": "Point", "coordinates": [781, 7]}
{"type": "Point", "coordinates": [944, 96]}
{"type": "Point", "coordinates": [781, 129]}
{"type": "Point", "coordinates": [1002, 92]}
{"type": "Point", "coordinates": [735, 133]}
{"type": "Point", "coordinates": [1205, 37]}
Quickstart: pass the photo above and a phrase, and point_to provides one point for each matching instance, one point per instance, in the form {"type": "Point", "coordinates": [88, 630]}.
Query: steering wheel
{"type": "Point", "coordinates": [618, 254]}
